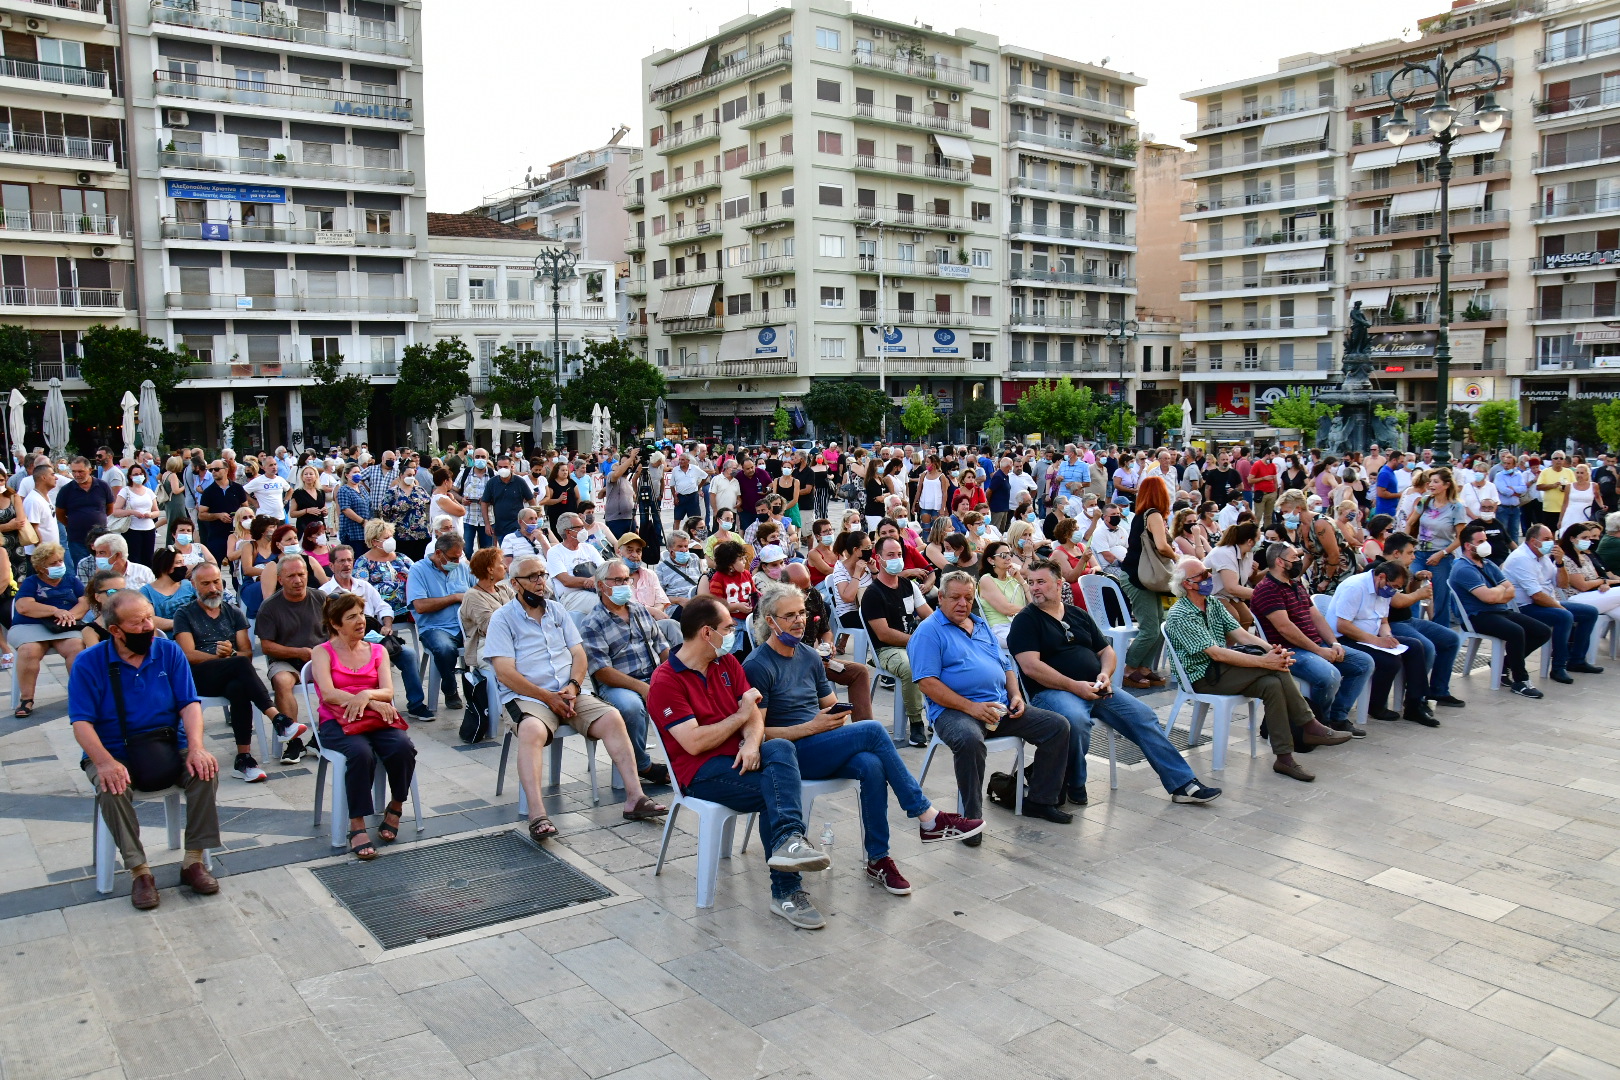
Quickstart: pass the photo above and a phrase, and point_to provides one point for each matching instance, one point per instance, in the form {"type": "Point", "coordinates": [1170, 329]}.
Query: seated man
{"type": "Point", "coordinates": [1206, 639]}
{"type": "Point", "coordinates": [1283, 610]}
{"type": "Point", "coordinates": [1360, 612]}
{"type": "Point", "coordinates": [539, 661]}
{"type": "Point", "coordinates": [1069, 665]}
{"type": "Point", "coordinates": [892, 608]}
{"type": "Point", "coordinates": [1438, 644]}
{"type": "Point", "coordinates": [573, 589]}
{"type": "Point", "coordinates": [214, 637]}
{"type": "Point", "coordinates": [290, 627]}
{"type": "Point", "coordinates": [528, 538]}
{"type": "Point", "coordinates": [129, 686]}
{"type": "Point", "coordinates": [973, 693]}
{"type": "Point", "coordinates": [379, 620]}
{"type": "Point", "coordinates": [110, 551]}
{"type": "Point", "coordinates": [1532, 569]}
{"type": "Point", "coordinates": [800, 706]}
{"type": "Point", "coordinates": [1489, 597]}
{"type": "Point", "coordinates": [433, 590]}
{"type": "Point", "coordinates": [679, 569]}
{"type": "Point", "coordinates": [645, 587]}
{"type": "Point", "coordinates": [819, 635]}
{"type": "Point", "coordinates": [714, 735]}
{"type": "Point", "coordinates": [623, 644]}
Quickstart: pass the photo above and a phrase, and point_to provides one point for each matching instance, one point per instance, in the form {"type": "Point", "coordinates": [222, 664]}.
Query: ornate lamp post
{"type": "Point", "coordinates": [1441, 120]}
{"type": "Point", "coordinates": [557, 265]}
{"type": "Point", "coordinates": [1121, 332]}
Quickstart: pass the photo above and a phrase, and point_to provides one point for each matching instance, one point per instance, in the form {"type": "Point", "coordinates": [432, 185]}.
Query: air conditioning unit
{"type": "Point", "coordinates": [84, 178]}
{"type": "Point", "coordinates": [36, 26]}
{"type": "Point", "coordinates": [951, 238]}
{"type": "Point", "coordinates": [1569, 279]}
{"type": "Point", "coordinates": [1038, 114]}
{"type": "Point", "coordinates": [176, 118]}
{"type": "Point", "coordinates": [955, 96]}
{"type": "Point", "coordinates": [98, 251]}
{"type": "Point", "coordinates": [691, 250]}
{"type": "Point", "coordinates": [932, 94]}
{"type": "Point", "coordinates": [1361, 256]}
{"type": "Point", "coordinates": [1036, 69]}
{"type": "Point", "coordinates": [1360, 88]}
{"type": "Point", "coordinates": [5, 22]}
{"type": "Point", "coordinates": [771, 283]}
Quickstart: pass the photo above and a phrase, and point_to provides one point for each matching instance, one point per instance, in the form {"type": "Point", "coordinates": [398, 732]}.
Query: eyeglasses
{"type": "Point", "coordinates": [792, 616]}
{"type": "Point", "coordinates": [617, 580]}
{"type": "Point", "coordinates": [539, 576]}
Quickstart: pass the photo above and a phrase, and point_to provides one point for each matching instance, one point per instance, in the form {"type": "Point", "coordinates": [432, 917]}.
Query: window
{"type": "Point", "coordinates": [736, 255]}
{"type": "Point", "coordinates": [739, 304]}
{"type": "Point", "coordinates": [981, 350]}
{"type": "Point", "coordinates": [660, 268]}
{"type": "Point", "coordinates": [257, 282]}
{"type": "Point", "coordinates": [192, 210]}
{"type": "Point", "coordinates": [452, 288]}
{"type": "Point", "coordinates": [379, 221]}
{"type": "Point", "coordinates": [906, 252]}
{"type": "Point", "coordinates": [318, 217]}
{"type": "Point", "coordinates": [382, 285]}
{"type": "Point", "coordinates": [76, 202]}
{"type": "Point", "coordinates": [980, 118]}
{"type": "Point", "coordinates": [259, 149]}
{"type": "Point", "coordinates": [981, 166]}
{"type": "Point", "coordinates": [730, 110]}
{"type": "Point", "coordinates": [981, 211]}
{"type": "Point", "coordinates": [736, 157]}
{"type": "Point", "coordinates": [324, 348]}
{"type": "Point", "coordinates": [832, 297]}
{"type": "Point", "coordinates": [828, 90]}
{"type": "Point", "coordinates": [65, 53]}
{"type": "Point", "coordinates": [194, 281]}
{"type": "Point", "coordinates": [829, 142]}
{"type": "Point", "coordinates": [830, 195]}
{"type": "Point", "coordinates": [734, 207]}
{"type": "Point", "coordinates": [321, 283]}
{"type": "Point", "coordinates": [661, 357]}
{"type": "Point", "coordinates": [981, 257]}
{"type": "Point", "coordinates": [981, 305]}
{"type": "Point", "coordinates": [787, 247]}
{"type": "Point", "coordinates": [384, 350]}
{"type": "Point", "coordinates": [200, 347]}
{"type": "Point", "coordinates": [832, 247]}
{"type": "Point", "coordinates": [656, 135]}
{"type": "Point", "coordinates": [790, 298]}
{"type": "Point", "coordinates": [784, 144]}
{"type": "Point", "coordinates": [480, 288]}
{"type": "Point", "coordinates": [827, 39]}
{"type": "Point", "coordinates": [657, 180]}
{"type": "Point", "coordinates": [787, 196]}
{"type": "Point", "coordinates": [515, 285]}
{"type": "Point", "coordinates": [979, 73]}
{"type": "Point", "coordinates": [832, 348]}
{"type": "Point", "coordinates": [659, 223]}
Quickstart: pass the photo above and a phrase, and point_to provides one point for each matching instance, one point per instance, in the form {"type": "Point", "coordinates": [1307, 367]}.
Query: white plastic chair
{"type": "Point", "coordinates": [270, 740]}
{"type": "Point", "coordinates": [717, 827]}
{"type": "Point", "coordinates": [899, 726]}
{"type": "Point", "coordinates": [1094, 590]}
{"type": "Point", "coordinates": [339, 766]}
{"type": "Point", "coordinates": [16, 680]}
{"type": "Point", "coordinates": [497, 716]}
{"type": "Point", "coordinates": [1221, 705]}
{"type": "Point", "coordinates": [1324, 604]}
{"type": "Point", "coordinates": [993, 744]}
{"type": "Point", "coordinates": [106, 851]}
{"type": "Point", "coordinates": [1473, 640]}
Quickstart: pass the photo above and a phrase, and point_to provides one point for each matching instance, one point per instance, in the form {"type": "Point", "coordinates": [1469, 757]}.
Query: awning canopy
{"type": "Point", "coordinates": [1408, 203]}
{"type": "Point", "coordinates": [1468, 196]}
{"type": "Point", "coordinates": [1480, 142]}
{"type": "Point", "coordinates": [681, 68]}
{"type": "Point", "coordinates": [1376, 159]}
{"type": "Point", "coordinates": [1296, 130]}
{"type": "Point", "coordinates": [686, 303]}
{"type": "Point", "coordinates": [1309, 259]}
{"type": "Point", "coordinates": [954, 147]}
{"type": "Point", "coordinates": [1370, 298]}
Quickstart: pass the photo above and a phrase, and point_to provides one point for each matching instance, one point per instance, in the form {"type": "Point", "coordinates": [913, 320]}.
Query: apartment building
{"type": "Point", "coordinates": [66, 260]}
{"type": "Point", "coordinates": [1160, 310]}
{"type": "Point", "coordinates": [811, 175]}
{"type": "Point", "coordinates": [1070, 163]}
{"type": "Point", "coordinates": [578, 202]}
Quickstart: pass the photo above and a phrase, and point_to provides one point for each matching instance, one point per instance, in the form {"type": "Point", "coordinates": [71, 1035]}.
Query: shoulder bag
{"type": "Point", "coordinates": [153, 756]}
{"type": "Point", "coordinates": [1153, 569]}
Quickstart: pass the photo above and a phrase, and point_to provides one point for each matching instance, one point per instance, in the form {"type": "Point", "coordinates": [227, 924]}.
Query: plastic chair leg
{"type": "Point", "coordinates": [1113, 766]}
{"type": "Point", "coordinates": [710, 839]}
{"type": "Point", "coordinates": [105, 852]}
{"type": "Point", "coordinates": [320, 790]}
{"type": "Point", "coordinates": [340, 804]}
{"type": "Point", "coordinates": [669, 831]}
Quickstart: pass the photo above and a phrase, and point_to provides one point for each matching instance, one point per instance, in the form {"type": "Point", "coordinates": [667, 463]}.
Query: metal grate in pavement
{"type": "Point", "coordinates": [428, 892]}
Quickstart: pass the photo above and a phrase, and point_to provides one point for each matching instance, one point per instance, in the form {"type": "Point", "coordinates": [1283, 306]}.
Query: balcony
{"type": "Point", "coordinates": [62, 301]}
{"type": "Point", "coordinates": [1466, 82]}
{"type": "Point", "coordinates": [908, 67]}
{"type": "Point", "coordinates": [1250, 159]}
{"type": "Point", "coordinates": [1299, 237]}
{"type": "Point", "coordinates": [930, 317]}
{"type": "Point", "coordinates": [292, 170]}
{"type": "Point", "coordinates": [768, 164]}
{"type": "Point", "coordinates": [1459, 270]}
{"type": "Point", "coordinates": [1223, 118]}
{"type": "Point", "coordinates": [1280, 281]}
{"type": "Point", "coordinates": [922, 365]}
{"type": "Point", "coordinates": [1204, 365]}
{"type": "Point", "coordinates": [947, 173]}
{"type": "Point", "coordinates": [97, 154]}
{"type": "Point", "coordinates": [1087, 365]}
{"type": "Point", "coordinates": [1419, 224]}
{"type": "Point", "coordinates": [907, 268]}
{"type": "Point", "coordinates": [1039, 322]}
{"type": "Point", "coordinates": [770, 215]}
{"type": "Point", "coordinates": [757, 64]}
{"type": "Point", "coordinates": [1281, 326]}
{"type": "Point", "coordinates": [1595, 206]}
{"type": "Point", "coordinates": [1590, 45]}
{"type": "Point", "coordinates": [348, 104]}
{"type": "Point", "coordinates": [766, 267]}
{"type": "Point", "coordinates": [393, 305]}
{"type": "Point", "coordinates": [682, 234]}
{"type": "Point", "coordinates": [692, 136]}
{"type": "Point", "coordinates": [634, 200]}
{"type": "Point", "coordinates": [739, 369]}
{"type": "Point", "coordinates": [1604, 152]}
{"type": "Point", "coordinates": [559, 233]}
{"type": "Point", "coordinates": [1324, 189]}
{"type": "Point", "coordinates": [895, 218]}
{"type": "Point", "coordinates": [770, 316]}
{"type": "Point", "coordinates": [550, 200]}
{"type": "Point", "coordinates": [691, 185]}
{"type": "Point", "coordinates": [35, 76]}
{"type": "Point", "coordinates": [1079, 191]}
{"type": "Point", "coordinates": [634, 244]}
{"type": "Point", "coordinates": [1068, 101]}
{"type": "Point", "coordinates": [636, 286]}
{"type": "Point", "coordinates": [1042, 278]}
{"type": "Point", "coordinates": [1082, 234]}
{"type": "Point", "coordinates": [304, 26]}
{"type": "Point", "coordinates": [1389, 185]}
{"type": "Point", "coordinates": [710, 276]}
{"type": "Point", "coordinates": [50, 225]}
{"type": "Point", "coordinates": [703, 324]}
{"type": "Point", "coordinates": [1577, 104]}
{"type": "Point", "coordinates": [1573, 312]}
{"type": "Point", "coordinates": [1125, 151]}
{"type": "Point", "coordinates": [79, 11]}
{"type": "Point", "coordinates": [232, 232]}
{"type": "Point", "coordinates": [765, 114]}
{"type": "Point", "coordinates": [909, 118]}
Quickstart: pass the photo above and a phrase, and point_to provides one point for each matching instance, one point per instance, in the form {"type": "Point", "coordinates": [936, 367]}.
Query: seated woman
{"type": "Point", "coordinates": [312, 538]}
{"type": "Point", "coordinates": [1581, 579]}
{"type": "Point", "coordinates": [359, 721]}
{"type": "Point", "coordinates": [169, 590]}
{"type": "Point", "coordinates": [1185, 535]}
{"type": "Point", "coordinates": [820, 558]}
{"type": "Point", "coordinates": [1378, 528]}
{"type": "Point", "coordinates": [850, 577]}
{"type": "Point", "coordinates": [103, 585]}
{"type": "Point", "coordinates": [1023, 538]}
{"type": "Point", "coordinates": [283, 541]}
{"type": "Point", "coordinates": [1002, 593]}
{"type": "Point", "coordinates": [959, 554]}
{"type": "Point", "coordinates": [45, 615]}
{"type": "Point", "coordinates": [385, 568]}
{"type": "Point", "coordinates": [934, 551]}
{"type": "Point", "coordinates": [490, 591]}
{"type": "Point", "coordinates": [978, 530]}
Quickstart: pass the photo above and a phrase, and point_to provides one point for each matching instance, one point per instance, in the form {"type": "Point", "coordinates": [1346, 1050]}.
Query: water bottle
{"type": "Point", "coordinates": [826, 834]}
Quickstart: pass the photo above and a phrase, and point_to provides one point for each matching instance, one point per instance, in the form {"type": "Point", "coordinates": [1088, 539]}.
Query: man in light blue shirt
{"type": "Point", "coordinates": [1073, 473]}
{"type": "Point", "coordinates": [1511, 483]}
{"type": "Point", "coordinates": [433, 591]}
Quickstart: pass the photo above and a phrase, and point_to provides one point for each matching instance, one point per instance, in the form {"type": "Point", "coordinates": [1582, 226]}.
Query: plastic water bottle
{"type": "Point", "coordinates": [826, 834]}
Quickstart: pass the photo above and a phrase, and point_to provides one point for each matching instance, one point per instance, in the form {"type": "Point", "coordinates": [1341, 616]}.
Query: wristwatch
{"type": "Point", "coordinates": [574, 683]}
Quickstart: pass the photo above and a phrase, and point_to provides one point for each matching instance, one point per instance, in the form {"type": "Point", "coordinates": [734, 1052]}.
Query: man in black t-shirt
{"type": "Point", "coordinates": [891, 607]}
{"type": "Point", "coordinates": [217, 504]}
{"type": "Point", "coordinates": [1068, 666]}
{"type": "Point", "coordinates": [1221, 480]}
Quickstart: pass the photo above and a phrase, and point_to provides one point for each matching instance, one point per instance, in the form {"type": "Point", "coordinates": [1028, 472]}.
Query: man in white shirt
{"type": "Point", "coordinates": [725, 493]}
{"type": "Point", "coordinates": [1531, 569]}
{"type": "Point", "coordinates": [38, 510]}
{"type": "Point", "coordinates": [1227, 516]}
{"type": "Point", "coordinates": [267, 491]}
{"type": "Point", "coordinates": [687, 479]}
{"type": "Point", "coordinates": [327, 479]}
{"type": "Point", "coordinates": [1110, 537]}
{"type": "Point", "coordinates": [576, 592]}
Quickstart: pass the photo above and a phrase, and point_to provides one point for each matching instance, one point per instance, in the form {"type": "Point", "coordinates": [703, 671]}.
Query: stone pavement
{"type": "Point", "coordinates": [1439, 904]}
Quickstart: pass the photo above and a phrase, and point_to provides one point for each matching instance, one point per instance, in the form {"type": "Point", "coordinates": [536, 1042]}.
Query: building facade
{"type": "Point", "coordinates": [579, 202]}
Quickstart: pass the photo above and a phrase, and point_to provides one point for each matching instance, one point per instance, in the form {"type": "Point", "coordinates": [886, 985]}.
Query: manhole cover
{"type": "Point", "coordinates": [429, 892]}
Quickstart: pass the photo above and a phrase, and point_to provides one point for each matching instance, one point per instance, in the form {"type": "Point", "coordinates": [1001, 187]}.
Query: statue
{"type": "Point", "coordinates": [1359, 341]}
{"type": "Point", "coordinates": [1356, 425]}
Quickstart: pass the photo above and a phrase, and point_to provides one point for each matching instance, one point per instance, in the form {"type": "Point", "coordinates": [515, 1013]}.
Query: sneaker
{"type": "Point", "coordinates": [917, 735]}
{"type": "Point", "coordinates": [422, 713]}
{"type": "Point", "coordinates": [950, 827]}
{"type": "Point", "coordinates": [797, 855]}
{"type": "Point", "coordinates": [293, 751]}
{"type": "Point", "coordinates": [885, 681]}
{"type": "Point", "coordinates": [452, 701]}
{"type": "Point", "coordinates": [799, 910]}
{"type": "Point", "coordinates": [1356, 731]}
{"type": "Point", "coordinates": [248, 769]}
{"type": "Point", "coordinates": [290, 729]}
{"type": "Point", "coordinates": [1194, 792]}
{"type": "Point", "coordinates": [1524, 689]}
{"type": "Point", "coordinates": [883, 872]}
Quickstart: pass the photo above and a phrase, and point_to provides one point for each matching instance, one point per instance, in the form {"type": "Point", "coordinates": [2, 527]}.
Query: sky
{"type": "Point", "coordinates": [529, 82]}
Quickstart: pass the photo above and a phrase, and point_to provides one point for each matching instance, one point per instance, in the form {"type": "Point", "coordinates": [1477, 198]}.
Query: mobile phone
{"type": "Point", "coordinates": [841, 707]}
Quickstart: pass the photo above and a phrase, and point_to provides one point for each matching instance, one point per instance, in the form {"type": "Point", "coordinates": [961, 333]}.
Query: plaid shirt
{"type": "Point", "coordinates": [378, 480]}
{"type": "Point", "coordinates": [629, 646]}
{"type": "Point", "coordinates": [472, 493]}
{"type": "Point", "coordinates": [1191, 631]}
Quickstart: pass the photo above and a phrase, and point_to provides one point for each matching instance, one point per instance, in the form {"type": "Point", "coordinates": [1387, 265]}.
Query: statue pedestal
{"type": "Point", "coordinates": [1356, 426]}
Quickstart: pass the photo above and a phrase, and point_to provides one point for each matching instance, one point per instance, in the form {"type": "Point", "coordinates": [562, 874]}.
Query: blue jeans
{"type": "Point", "coordinates": [1126, 715]}
{"type": "Point", "coordinates": [410, 677]}
{"type": "Point", "coordinates": [445, 647]}
{"type": "Point", "coordinates": [474, 537]}
{"type": "Point", "coordinates": [634, 711]}
{"type": "Point", "coordinates": [1439, 645]}
{"type": "Point", "coordinates": [1440, 566]}
{"type": "Point", "coordinates": [863, 752]}
{"type": "Point", "coordinates": [1571, 630]}
{"type": "Point", "coordinates": [1334, 688]}
{"type": "Point", "coordinates": [1508, 518]}
{"type": "Point", "coordinates": [771, 791]}
{"type": "Point", "coordinates": [76, 553]}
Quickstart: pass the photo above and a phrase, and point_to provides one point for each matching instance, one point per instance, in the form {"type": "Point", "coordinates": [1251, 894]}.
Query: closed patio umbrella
{"type": "Point", "coordinates": [17, 429]}
{"type": "Point", "coordinates": [151, 417]}
{"type": "Point", "coordinates": [129, 403]}
{"type": "Point", "coordinates": [56, 419]}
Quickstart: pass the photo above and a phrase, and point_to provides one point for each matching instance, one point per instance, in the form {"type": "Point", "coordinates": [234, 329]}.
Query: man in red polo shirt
{"type": "Point", "coordinates": [713, 731]}
{"type": "Point", "coordinates": [1263, 483]}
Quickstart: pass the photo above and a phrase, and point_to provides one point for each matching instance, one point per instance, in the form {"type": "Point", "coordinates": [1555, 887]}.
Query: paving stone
{"type": "Point", "coordinates": [47, 1040]}
{"type": "Point", "coordinates": [718, 1045]}
{"type": "Point", "coordinates": [471, 1019]}
{"type": "Point", "coordinates": [598, 1038]}
{"type": "Point", "coordinates": [515, 967]}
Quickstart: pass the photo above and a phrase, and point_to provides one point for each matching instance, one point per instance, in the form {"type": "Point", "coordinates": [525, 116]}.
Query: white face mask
{"type": "Point", "coordinates": [388, 545]}
{"type": "Point", "coordinates": [504, 474]}
{"type": "Point", "coordinates": [1483, 549]}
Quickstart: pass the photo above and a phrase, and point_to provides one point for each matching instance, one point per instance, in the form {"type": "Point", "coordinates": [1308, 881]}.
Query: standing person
{"type": "Point", "coordinates": [170, 486]}
{"type": "Point", "coordinates": [407, 505]}
{"type": "Point", "coordinates": [1148, 526]}
{"type": "Point", "coordinates": [725, 492]}
{"type": "Point", "coordinates": [503, 498]}
{"type": "Point", "coordinates": [355, 508]}
{"type": "Point", "coordinates": [1511, 487]}
{"type": "Point", "coordinates": [562, 494]}
{"type": "Point", "coordinates": [1553, 485]}
{"type": "Point", "coordinates": [217, 505]}
{"type": "Point", "coordinates": [82, 504]}
{"type": "Point", "coordinates": [1262, 484]}
{"type": "Point", "coordinates": [471, 482]}
{"type": "Point", "coordinates": [308, 498]}
{"type": "Point", "coordinates": [138, 503]}
{"type": "Point", "coordinates": [1488, 597]}
{"type": "Point", "coordinates": [1582, 500]}
{"type": "Point", "coordinates": [1435, 521]}
{"type": "Point", "coordinates": [619, 503]}
{"type": "Point", "coordinates": [687, 480]}
{"type": "Point", "coordinates": [268, 491]}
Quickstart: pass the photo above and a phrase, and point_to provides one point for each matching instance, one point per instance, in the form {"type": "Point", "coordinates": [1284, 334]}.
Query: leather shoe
{"type": "Point", "coordinates": [1421, 715]}
{"type": "Point", "coordinates": [1047, 813]}
{"type": "Point", "coordinates": [197, 878]}
{"type": "Point", "coordinates": [1333, 739]}
{"type": "Point", "coordinates": [1558, 675]}
{"type": "Point", "coordinates": [1383, 714]}
{"type": "Point", "coordinates": [1293, 770]}
{"type": "Point", "coordinates": [143, 892]}
{"type": "Point", "coordinates": [1581, 667]}
{"type": "Point", "coordinates": [1450, 702]}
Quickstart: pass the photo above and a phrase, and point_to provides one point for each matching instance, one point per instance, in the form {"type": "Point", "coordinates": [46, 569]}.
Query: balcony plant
{"type": "Point", "coordinates": [1396, 312]}
{"type": "Point", "coordinates": [962, 256]}
{"type": "Point", "coordinates": [1474, 313]}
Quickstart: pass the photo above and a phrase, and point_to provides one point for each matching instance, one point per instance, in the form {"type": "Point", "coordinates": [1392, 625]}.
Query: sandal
{"type": "Point", "coordinates": [1137, 682]}
{"type": "Point", "coordinates": [25, 710]}
{"type": "Point", "coordinates": [541, 828]}
{"type": "Point", "coordinates": [645, 810]}
{"type": "Point", "coordinates": [365, 852]}
{"type": "Point", "coordinates": [389, 832]}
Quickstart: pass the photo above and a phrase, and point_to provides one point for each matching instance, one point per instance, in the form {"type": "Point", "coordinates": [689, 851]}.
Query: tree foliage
{"type": "Point", "coordinates": [1606, 417]}
{"type": "Point", "coordinates": [1422, 434]}
{"type": "Point", "coordinates": [1495, 426]}
{"type": "Point", "coordinates": [1168, 418]}
{"type": "Point", "coordinates": [118, 359]}
{"type": "Point", "coordinates": [846, 406]}
{"type": "Point", "coordinates": [1119, 424]}
{"type": "Point", "coordinates": [19, 348]}
{"type": "Point", "coordinates": [978, 412]}
{"type": "Point", "coordinates": [1575, 419]}
{"type": "Point", "coordinates": [1059, 410]}
{"type": "Point", "coordinates": [431, 377]}
{"type": "Point", "coordinates": [517, 378]}
{"type": "Point", "coordinates": [781, 424]}
{"type": "Point", "coordinates": [921, 413]}
{"type": "Point", "coordinates": [613, 376]}
{"type": "Point", "coordinates": [1297, 410]}
{"type": "Point", "coordinates": [342, 401]}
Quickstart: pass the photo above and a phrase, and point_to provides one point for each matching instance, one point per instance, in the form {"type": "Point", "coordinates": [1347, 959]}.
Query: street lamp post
{"type": "Point", "coordinates": [557, 265]}
{"type": "Point", "coordinates": [1441, 118]}
{"type": "Point", "coordinates": [882, 328]}
{"type": "Point", "coordinates": [1120, 333]}
{"type": "Point", "coordinates": [261, 400]}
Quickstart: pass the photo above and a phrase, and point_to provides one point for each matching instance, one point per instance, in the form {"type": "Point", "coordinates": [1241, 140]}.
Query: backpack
{"type": "Point", "coordinates": [1002, 790]}
{"type": "Point", "coordinates": [475, 726]}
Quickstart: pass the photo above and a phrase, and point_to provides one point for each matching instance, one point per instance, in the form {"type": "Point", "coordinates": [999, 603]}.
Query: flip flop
{"type": "Point", "coordinates": [645, 810]}
{"type": "Point", "coordinates": [541, 828]}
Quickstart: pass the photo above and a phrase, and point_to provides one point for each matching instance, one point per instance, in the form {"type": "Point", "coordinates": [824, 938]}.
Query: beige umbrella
{"type": "Point", "coordinates": [129, 402]}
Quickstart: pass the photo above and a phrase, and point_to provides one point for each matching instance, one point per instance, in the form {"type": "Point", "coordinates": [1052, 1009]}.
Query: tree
{"type": "Point", "coordinates": [19, 348]}
{"type": "Point", "coordinates": [1574, 420]}
{"type": "Point", "coordinates": [342, 401]}
{"type": "Point", "coordinates": [1058, 410]}
{"type": "Point", "coordinates": [1169, 418]}
{"type": "Point", "coordinates": [1606, 415]}
{"type": "Point", "coordinates": [431, 377]}
{"type": "Point", "coordinates": [977, 413]}
{"type": "Point", "coordinates": [1119, 425]}
{"type": "Point", "coordinates": [118, 359]}
{"type": "Point", "coordinates": [517, 378]}
{"type": "Point", "coordinates": [921, 414]}
{"type": "Point", "coordinates": [1422, 434]}
{"type": "Point", "coordinates": [1495, 426]}
{"type": "Point", "coordinates": [614, 376]}
{"type": "Point", "coordinates": [846, 406]}
{"type": "Point", "coordinates": [781, 424]}
{"type": "Point", "coordinates": [1297, 410]}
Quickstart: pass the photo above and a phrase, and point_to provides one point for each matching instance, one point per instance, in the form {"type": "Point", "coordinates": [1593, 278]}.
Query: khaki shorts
{"type": "Point", "coordinates": [588, 709]}
{"type": "Point", "coordinates": [275, 666]}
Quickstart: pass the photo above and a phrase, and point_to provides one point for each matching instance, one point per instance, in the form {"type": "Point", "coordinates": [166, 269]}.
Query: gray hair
{"type": "Point", "coordinates": [532, 513]}
{"type": "Point", "coordinates": [1612, 522]}
{"type": "Point", "coordinates": [679, 534]}
{"type": "Point", "coordinates": [771, 595]}
{"type": "Point", "coordinates": [955, 577]}
{"type": "Point", "coordinates": [1276, 549]}
{"type": "Point", "coordinates": [110, 606]}
{"type": "Point", "coordinates": [340, 549]}
{"type": "Point", "coordinates": [568, 521]}
{"type": "Point", "coordinates": [520, 561]}
{"type": "Point", "coordinates": [295, 559]}
{"type": "Point", "coordinates": [113, 542]}
{"type": "Point", "coordinates": [448, 542]}
{"type": "Point", "coordinates": [602, 570]}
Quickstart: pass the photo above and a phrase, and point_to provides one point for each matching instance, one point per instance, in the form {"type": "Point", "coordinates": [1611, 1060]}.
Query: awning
{"type": "Point", "coordinates": [1370, 298]}
{"type": "Point", "coordinates": [1408, 203]}
{"type": "Point", "coordinates": [757, 343]}
{"type": "Point", "coordinates": [686, 303]}
{"type": "Point", "coordinates": [1309, 259]}
{"type": "Point", "coordinates": [681, 68]}
{"type": "Point", "coordinates": [1296, 130]}
{"type": "Point", "coordinates": [1376, 159]}
{"type": "Point", "coordinates": [1418, 151]}
{"type": "Point", "coordinates": [954, 147]}
{"type": "Point", "coordinates": [1468, 197]}
{"type": "Point", "coordinates": [1480, 142]}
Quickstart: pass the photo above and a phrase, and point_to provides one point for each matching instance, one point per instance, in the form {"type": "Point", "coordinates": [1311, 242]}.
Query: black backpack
{"type": "Point", "coordinates": [1003, 790]}
{"type": "Point", "coordinates": [475, 726]}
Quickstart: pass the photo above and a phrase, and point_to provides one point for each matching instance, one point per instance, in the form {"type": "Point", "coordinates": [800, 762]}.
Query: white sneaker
{"type": "Point", "coordinates": [796, 855]}
{"type": "Point", "coordinates": [247, 769]}
{"type": "Point", "coordinates": [799, 910]}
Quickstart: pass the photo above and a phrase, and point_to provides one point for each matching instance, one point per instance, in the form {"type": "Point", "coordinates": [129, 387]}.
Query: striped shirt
{"type": "Point", "coordinates": [1191, 631]}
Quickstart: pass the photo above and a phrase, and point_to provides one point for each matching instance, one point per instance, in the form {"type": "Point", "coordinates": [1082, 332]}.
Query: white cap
{"type": "Point", "coordinates": [771, 553]}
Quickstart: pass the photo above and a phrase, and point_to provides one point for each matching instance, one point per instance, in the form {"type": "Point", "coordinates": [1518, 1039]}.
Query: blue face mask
{"type": "Point", "coordinates": [55, 572]}
{"type": "Point", "coordinates": [633, 565]}
{"type": "Point", "coordinates": [681, 557]}
{"type": "Point", "coordinates": [790, 640]}
{"type": "Point", "coordinates": [978, 530]}
{"type": "Point", "coordinates": [825, 539]}
{"type": "Point", "coordinates": [621, 594]}
{"type": "Point", "coordinates": [1206, 587]}
{"type": "Point", "coordinates": [1031, 517]}
{"type": "Point", "coordinates": [1386, 591]}
{"type": "Point", "coordinates": [103, 563]}
{"type": "Point", "coordinates": [951, 557]}
{"type": "Point", "coordinates": [894, 566]}
{"type": "Point", "coordinates": [1291, 520]}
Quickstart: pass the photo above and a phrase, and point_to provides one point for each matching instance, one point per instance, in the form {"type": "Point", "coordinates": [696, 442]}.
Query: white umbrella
{"type": "Point", "coordinates": [129, 402]}
{"type": "Point", "coordinates": [596, 426]}
{"type": "Point", "coordinates": [537, 425]}
{"type": "Point", "coordinates": [1186, 421]}
{"type": "Point", "coordinates": [607, 428]}
{"type": "Point", "coordinates": [56, 418]}
{"type": "Point", "coordinates": [19, 430]}
{"type": "Point", "coordinates": [553, 419]}
{"type": "Point", "coordinates": [151, 417]}
{"type": "Point", "coordinates": [495, 430]}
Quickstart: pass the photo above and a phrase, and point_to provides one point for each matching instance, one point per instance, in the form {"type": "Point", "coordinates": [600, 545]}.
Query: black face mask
{"type": "Point", "coordinates": [177, 573]}
{"type": "Point", "coordinates": [1295, 569]}
{"type": "Point", "coordinates": [533, 599]}
{"type": "Point", "coordinates": [139, 643]}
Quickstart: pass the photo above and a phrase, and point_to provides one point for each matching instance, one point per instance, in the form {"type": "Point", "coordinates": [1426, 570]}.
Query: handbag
{"type": "Point", "coordinates": [1153, 569]}
{"type": "Point", "coordinates": [27, 535]}
{"type": "Point", "coordinates": [152, 757]}
{"type": "Point", "coordinates": [117, 524]}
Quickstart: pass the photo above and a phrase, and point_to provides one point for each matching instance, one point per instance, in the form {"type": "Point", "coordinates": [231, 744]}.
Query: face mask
{"type": "Point", "coordinates": [979, 529]}
{"type": "Point", "coordinates": [503, 473]}
{"type": "Point", "coordinates": [1291, 520]}
{"type": "Point", "coordinates": [480, 464]}
{"type": "Point", "coordinates": [951, 557]}
{"type": "Point", "coordinates": [318, 540]}
{"type": "Point", "coordinates": [853, 526]}
{"type": "Point", "coordinates": [1386, 591]}
{"type": "Point", "coordinates": [388, 545]}
{"type": "Point", "coordinates": [103, 563]}
{"type": "Point", "coordinates": [532, 599]}
{"type": "Point", "coordinates": [725, 523]}
{"type": "Point", "coordinates": [790, 640]}
{"type": "Point", "coordinates": [1031, 518]}
{"type": "Point", "coordinates": [681, 557]}
{"type": "Point", "coordinates": [621, 594]}
{"type": "Point", "coordinates": [1295, 569]}
{"type": "Point", "coordinates": [894, 566]}
{"type": "Point", "coordinates": [289, 549]}
{"type": "Point", "coordinates": [177, 573]}
{"type": "Point", "coordinates": [728, 643]}
{"type": "Point", "coordinates": [182, 539]}
{"type": "Point", "coordinates": [1583, 545]}
{"type": "Point", "coordinates": [590, 519]}
{"type": "Point", "coordinates": [140, 643]}
{"type": "Point", "coordinates": [633, 565]}
{"type": "Point", "coordinates": [1206, 587]}
{"type": "Point", "coordinates": [904, 523]}
{"type": "Point", "coordinates": [1537, 547]}
{"type": "Point", "coordinates": [824, 539]}
{"type": "Point", "coordinates": [55, 573]}
{"type": "Point", "coordinates": [531, 526]}
{"type": "Point", "coordinates": [1483, 549]}
{"type": "Point", "coordinates": [137, 479]}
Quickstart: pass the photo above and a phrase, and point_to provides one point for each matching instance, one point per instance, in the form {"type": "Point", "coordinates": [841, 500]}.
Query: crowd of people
{"type": "Point", "coordinates": [988, 585]}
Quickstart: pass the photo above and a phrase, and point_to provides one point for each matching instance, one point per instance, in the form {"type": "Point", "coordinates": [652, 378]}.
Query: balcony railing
{"type": "Point", "coordinates": [1094, 365]}
{"type": "Point", "coordinates": [1417, 223]}
{"type": "Point", "coordinates": [1266, 362]}
{"type": "Point", "coordinates": [927, 317]}
{"type": "Point", "coordinates": [57, 146]}
{"type": "Point", "coordinates": [324, 304]}
{"type": "Point", "coordinates": [710, 276]}
{"type": "Point", "coordinates": [1419, 273]}
{"type": "Point", "coordinates": [284, 369]}
{"type": "Point", "coordinates": [1606, 310]}
{"type": "Point", "coordinates": [781, 264]}
{"type": "Point", "coordinates": [1124, 195]}
{"type": "Point", "coordinates": [755, 218]}
{"type": "Point", "coordinates": [1069, 101]}
{"type": "Point", "coordinates": [697, 84]}
{"type": "Point", "coordinates": [559, 232]}
{"type": "Point", "coordinates": [703, 324]}
{"type": "Point", "coordinates": [89, 7]}
{"type": "Point", "coordinates": [1237, 243]}
{"type": "Point", "coordinates": [277, 23]}
{"type": "Point", "coordinates": [635, 243]}
{"type": "Point", "coordinates": [56, 224]}
{"type": "Point", "coordinates": [1324, 189]}
{"type": "Point", "coordinates": [908, 67]}
{"type": "Point", "coordinates": [1591, 45]}
{"type": "Point", "coordinates": [894, 217]}
{"type": "Point", "coordinates": [904, 268]}
{"type": "Point", "coordinates": [1597, 204]}
{"type": "Point", "coordinates": [353, 104]}
{"type": "Point", "coordinates": [770, 316]}
{"type": "Point", "coordinates": [57, 74]}
{"type": "Point", "coordinates": [740, 369]}
{"type": "Point", "coordinates": [77, 299]}
{"type": "Point", "coordinates": [1117, 151]}
{"type": "Point", "coordinates": [767, 164]}
{"type": "Point", "coordinates": [1025, 319]}
{"type": "Point", "coordinates": [1219, 118]}
{"type": "Point", "coordinates": [1599, 99]}
{"type": "Point", "coordinates": [921, 365]}
{"type": "Point", "coordinates": [701, 182]}
{"type": "Point", "coordinates": [562, 196]}
{"type": "Point", "coordinates": [909, 118]}
{"type": "Point", "coordinates": [1073, 232]}
{"type": "Point", "coordinates": [172, 229]}
{"type": "Point", "coordinates": [46, 370]}
{"type": "Point", "coordinates": [1069, 277]}
{"type": "Point", "coordinates": [1468, 78]}
{"type": "Point", "coordinates": [1253, 157]}
{"type": "Point", "coordinates": [765, 114]}
{"type": "Point", "coordinates": [682, 233]}
{"type": "Point", "coordinates": [1285, 322]}
{"type": "Point", "coordinates": [634, 200]}
{"type": "Point", "coordinates": [1277, 280]}
{"type": "Point", "coordinates": [914, 168]}
{"type": "Point", "coordinates": [293, 170]}
{"type": "Point", "coordinates": [1603, 151]}
{"type": "Point", "coordinates": [1379, 185]}
{"type": "Point", "coordinates": [701, 133]}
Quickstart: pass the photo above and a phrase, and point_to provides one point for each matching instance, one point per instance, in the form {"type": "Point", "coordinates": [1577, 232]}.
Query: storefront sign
{"type": "Point", "coordinates": [1575, 260]}
{"type": "Point", "coordinates": [1402, 344]}
{"type": "Point", "coordinates": [766, 343]}
{"type": "Point", "coordinates": [1597, 333]}
{"type": "Point", "coordinates": [943, 343]}
{"type": "Point", "coordinates": [1227, 399]}
{"type": "Point", "coordinates": [953, 270]}
{"type": "Point", "coordinates": [249, 193]}
{"type": "Point", "coordinates": [1466, 391]}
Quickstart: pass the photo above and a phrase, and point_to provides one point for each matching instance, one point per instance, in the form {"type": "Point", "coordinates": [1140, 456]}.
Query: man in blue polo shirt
{"type": "Point", "coordinates": [155, 683]}
{"type": "Point", "coordinates": [433, 590]}
{"type": "Point", "coordinates": [1387, 486]}
{"type": "Point", "coordinates": [973, 693]}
